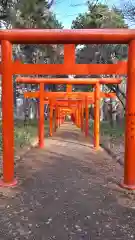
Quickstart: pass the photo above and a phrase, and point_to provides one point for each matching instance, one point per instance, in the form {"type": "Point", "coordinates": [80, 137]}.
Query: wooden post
{"type": "Point", "coordinates": [79, 115]}
{"type": "Point", "coordinates": [86, 117]}
{"type": "Point", "coordinates": [51, 119]}
{"type": "Point", "coordinates": [56, 117]}
{"type": "Point", "coordinates": [41, 115]}
{"type": "Point", "coordinates": [7, 116]}
{"type": "Point", "coordinates": [129, 165]}
{"type": "Point", "coordinates": [82, 116]}
{"type": "Point", "coordinates": [96, 115]}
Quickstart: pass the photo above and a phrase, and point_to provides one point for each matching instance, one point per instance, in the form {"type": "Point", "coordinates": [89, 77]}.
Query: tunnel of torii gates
{"type": "Point", "coordinates": [69, 38]}
{"type": "Point", "coordinates": [69, 102]}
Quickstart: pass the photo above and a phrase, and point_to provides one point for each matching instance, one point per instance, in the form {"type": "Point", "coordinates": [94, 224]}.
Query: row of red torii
{"type": "Point", "coordinates": [70, 38]}
{"type": "Point", "coordinates": [69, 102]}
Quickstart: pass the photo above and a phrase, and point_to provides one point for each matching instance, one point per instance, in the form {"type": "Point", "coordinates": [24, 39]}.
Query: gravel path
{"type": "Point", "coordinates": [67, 191]}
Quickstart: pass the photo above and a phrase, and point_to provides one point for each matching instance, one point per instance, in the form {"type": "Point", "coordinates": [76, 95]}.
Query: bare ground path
{"type": "Point", "coordinates": [67, 191]}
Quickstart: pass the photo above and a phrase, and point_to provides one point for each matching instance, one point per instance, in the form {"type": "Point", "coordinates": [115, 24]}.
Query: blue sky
{"type": "Point", "coordinates": [67, 10]}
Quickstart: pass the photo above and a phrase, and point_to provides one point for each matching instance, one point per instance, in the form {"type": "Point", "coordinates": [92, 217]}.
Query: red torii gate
{"type": "Point", "coordinates": [95, 95]}
{"type": "Point", "coordinates": [69, 37]}
{"type": "Point", "coordinates": [70, 104]}
{"type": "Point", "coordinates": [70, 95]}
{"type": "Point", "coordinates": [59, 106]}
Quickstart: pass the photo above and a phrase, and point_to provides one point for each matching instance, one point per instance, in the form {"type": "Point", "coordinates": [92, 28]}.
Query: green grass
{"type": "Point", "coordinates": [107, 130]}
{"type": "Point", "coordinates": [24, 133]}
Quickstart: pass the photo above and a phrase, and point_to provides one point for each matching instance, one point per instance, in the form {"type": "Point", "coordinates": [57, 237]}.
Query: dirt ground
{"type": "Point", "coordinates": [67, 191]}
{"type": "Point", "coordinates": [114, 146]}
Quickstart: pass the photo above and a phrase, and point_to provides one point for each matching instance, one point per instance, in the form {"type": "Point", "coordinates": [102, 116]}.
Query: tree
{"type": "Point", "coordinates": [100, 16]}
{"type": "Point", "coordinates": [7, 5]}
{"type": "Point", "coordinates": [34, 14]}
{"type": "Point", "coordinates": [31, 14]}
{"type": "Point", "coordinates": [25, 14]}
{"type": "Point", "coordinates": [4, 5]}
{"type": "Point", "coordinates": [127, 7]}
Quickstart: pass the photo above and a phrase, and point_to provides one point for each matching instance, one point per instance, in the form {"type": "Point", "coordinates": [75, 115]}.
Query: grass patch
{"type": "Point", "coordinates": [24, 133]}
{"type": "Point", "coordinates": [107, 130]}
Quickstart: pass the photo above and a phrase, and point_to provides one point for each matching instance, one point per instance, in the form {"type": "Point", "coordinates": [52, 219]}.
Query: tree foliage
{"type": "Point", "coordinates": [25, 14]}
{"type": "Point", "coordinates": [7, 5]}
{"type": "Point", "coordinates": [4, 5]}
{"type": "Point", "coordinates": [101, 16]}
{"type": "Point", "coordinates": [34, 14]}
{"type": "Point", "coordinates": [127, 7]}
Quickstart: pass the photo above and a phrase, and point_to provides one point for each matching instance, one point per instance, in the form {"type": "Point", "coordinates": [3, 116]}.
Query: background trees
{"type": "Point", "coordinates": [101, 16]}
{"type": "Point", "coordinates": [127, 7]}
{"type": "Point", "coordinates": [36, 14]}
{"type": "Point", "coordinates": [30, 14]}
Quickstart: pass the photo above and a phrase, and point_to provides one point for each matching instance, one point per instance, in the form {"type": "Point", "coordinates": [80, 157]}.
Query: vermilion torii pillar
{"type": "Point", "coordinates": [86, 117]}
{"type": "Point", "coordinates": [96, 115]}
{"type": "Point", "coordinates": [51, 117]}
{"type": "Point", "coordinates": [129, 165]}
{"type": "Point", "coordinates": [41, 116]}
{"type": "Point", "coordinates": [7, 115]}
